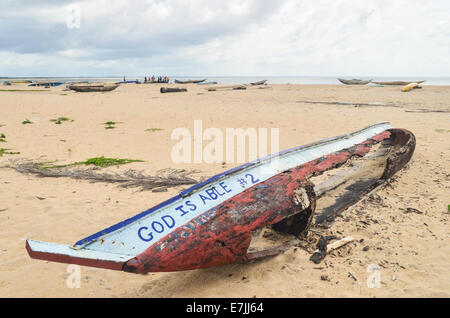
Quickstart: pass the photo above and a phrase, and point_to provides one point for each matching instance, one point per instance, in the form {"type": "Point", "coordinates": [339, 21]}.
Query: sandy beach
{"type": "Point", "coordinates": [410, 248]}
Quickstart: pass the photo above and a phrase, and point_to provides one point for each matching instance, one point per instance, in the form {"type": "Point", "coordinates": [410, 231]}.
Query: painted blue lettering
{"type": "Point", "coordinates": [218, 192]}
{"type": "Point", "coordinates": [204, 198]}
{"type": "Point", "coordinates": [150, 235]}
{"type": "Point", "coordinates": [180, 208]}
{"type": "Point", "coordinates": [252, 178]}
{"type": "Point", "coordinates": [192, 206]}
{"type": "Point", "coordinates": [170, 223]}
{"type": "Point", "coordinates": [211, 194]}
{"type": "Point", "coordinates": [157, 224]}
{"type": "Point", "coordinates": [224, 186]}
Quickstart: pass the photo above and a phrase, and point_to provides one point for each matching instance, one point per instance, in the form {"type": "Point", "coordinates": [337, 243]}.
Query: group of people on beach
{"type": "Point", "coordinates": [159, 79]}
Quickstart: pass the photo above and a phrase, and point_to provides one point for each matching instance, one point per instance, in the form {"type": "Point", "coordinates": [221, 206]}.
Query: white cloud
{"type": "Point", "coordinates": [234, 37]}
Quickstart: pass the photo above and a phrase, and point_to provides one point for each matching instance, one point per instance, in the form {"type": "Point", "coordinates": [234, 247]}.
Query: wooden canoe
{"type": "Point", "coordinates": [214, 222]}
{"type": "Point", "coordinates": [46, 84]}
{"type": "Point", "coordinates": [226, 87]}
{"type": "Point", "coordinates": [258, 83]}
{"type": "Point", "coordinates": [354, 81]}
{"type": "Point", "coordinates": [88, 88]}
{"type": "Point", "coordinates": [21, 82]}
{"type": "Point", "coordinates": [189, 81]}
{"type": "Point", "coordinates": [398, 83]}
{"type": "Point", "coordinates": [207, 83]}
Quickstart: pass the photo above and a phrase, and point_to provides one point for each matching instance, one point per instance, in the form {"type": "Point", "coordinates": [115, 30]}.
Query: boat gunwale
{"type": "Point", "coordinates": [98, 235]}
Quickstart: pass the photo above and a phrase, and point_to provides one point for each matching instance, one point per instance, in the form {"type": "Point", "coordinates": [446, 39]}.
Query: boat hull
{"type": "Point", "coordinates": [92, 88]}
{"type": "Point", "coordinates": [189, 81]}
{"type": "Point", "coordinates": [353, 82]}
{"type": "Point", "coordinates": [398, 83]}
{"type": "Point", "coordinates": [212, 223]}
{"type": "Point", "coordinates": [259, 83]}
{"type": "Point", "coordinates": [49, 84]}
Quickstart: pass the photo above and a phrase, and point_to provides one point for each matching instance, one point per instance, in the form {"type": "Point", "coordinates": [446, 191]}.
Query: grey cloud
{"type": "Point", "coordinates": [115, 33]}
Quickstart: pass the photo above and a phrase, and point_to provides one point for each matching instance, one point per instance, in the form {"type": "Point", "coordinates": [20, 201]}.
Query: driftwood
{"type": "Point", "coordinates": [172, 90]}
{"type": "Point", "coordinates": [324, 248]}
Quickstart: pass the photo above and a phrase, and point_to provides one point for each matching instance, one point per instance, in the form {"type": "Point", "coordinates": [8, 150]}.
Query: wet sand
{"type": "Point", "coordinates": [410, 249]}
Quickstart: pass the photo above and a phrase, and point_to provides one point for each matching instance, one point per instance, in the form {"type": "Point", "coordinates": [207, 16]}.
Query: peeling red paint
{"type": "Point", "coordinates": [225, 237]}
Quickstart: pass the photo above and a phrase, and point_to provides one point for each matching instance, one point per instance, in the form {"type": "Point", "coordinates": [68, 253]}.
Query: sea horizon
{"type": "Point", "coordinates": [429, 80]}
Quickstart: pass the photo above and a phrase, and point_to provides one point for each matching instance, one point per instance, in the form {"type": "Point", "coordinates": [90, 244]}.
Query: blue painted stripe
{"type": "Point", "coordinates": [186, 192]}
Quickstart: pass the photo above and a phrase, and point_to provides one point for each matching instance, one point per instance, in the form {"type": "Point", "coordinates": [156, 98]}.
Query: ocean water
{"type": "Point", "coordinates": [229, 80]}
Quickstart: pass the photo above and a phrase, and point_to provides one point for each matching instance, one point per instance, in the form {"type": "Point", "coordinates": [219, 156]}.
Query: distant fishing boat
{"type": "Point", "coordinates": [93, 87]}
{"type": "Point", "coordinates": [189, 81]}
{"type": "Point", "coordinates": [398, 83]}
{"type": "Point", "coordinates": [206, 83]}
{"type": "Point", "coordinates": [21, 82]}
{"type": "Point", "coordinates": [47, 84]}
{"type": "Point", "coordinates": [354, 81]}
{"type": "Point", "coordinates": [409, 87]}
{"type": "Point", "coordinates": [259, 83]}
{"type": "Point", "coordinates": [226, 87]}
{"type": "Point", "coordinates": [215, 222]}
{"type": "Point", "coordinates": [128, 82]}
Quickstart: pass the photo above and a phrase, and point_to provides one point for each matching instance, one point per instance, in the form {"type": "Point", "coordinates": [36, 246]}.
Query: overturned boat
{"type": "Point", "coordinates": [219, 221]}
{"type": "Point", "coordinates": [354, 81]}
{"type": "Point", "coordinates": [94, 87]}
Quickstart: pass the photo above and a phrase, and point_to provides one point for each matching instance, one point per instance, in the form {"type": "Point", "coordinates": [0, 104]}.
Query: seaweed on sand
{"type": "Point", "coordinates": [163, 179]}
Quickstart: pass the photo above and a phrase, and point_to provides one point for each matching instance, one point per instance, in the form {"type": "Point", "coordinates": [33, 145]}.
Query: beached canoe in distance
{"type": "Point", "coordinates": [226, 87]}
{"type": "Point", "coordinates": [189, 81]}
{"type": "Point", "coordinates": [94, 87]}
{"type": "Point", "coordinates": [21, 82]}
{"type": "Point", "coordinates": [258, 83]}
{"type": "Point", "coordinates": [398, 83]}
{"type": "Point", "coordinates": [216, 221]}
{"type": "Point", "coordinates": [128, 82]}
{"type": "Point", "coordinates": [207, 83]}
{"type": "Point", "coordinates": [46, 84]}
{"type": "Point", "coordinates": [410, 87]}
{"type": "Point", "coordinates": [354, 81]}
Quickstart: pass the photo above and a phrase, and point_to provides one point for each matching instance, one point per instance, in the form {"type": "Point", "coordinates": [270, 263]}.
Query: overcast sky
{"type": "Point", "coordinates": [224, 37]}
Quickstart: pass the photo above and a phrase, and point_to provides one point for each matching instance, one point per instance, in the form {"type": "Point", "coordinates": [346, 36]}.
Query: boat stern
{"type": "Point", "coordinates": [67, 254]}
